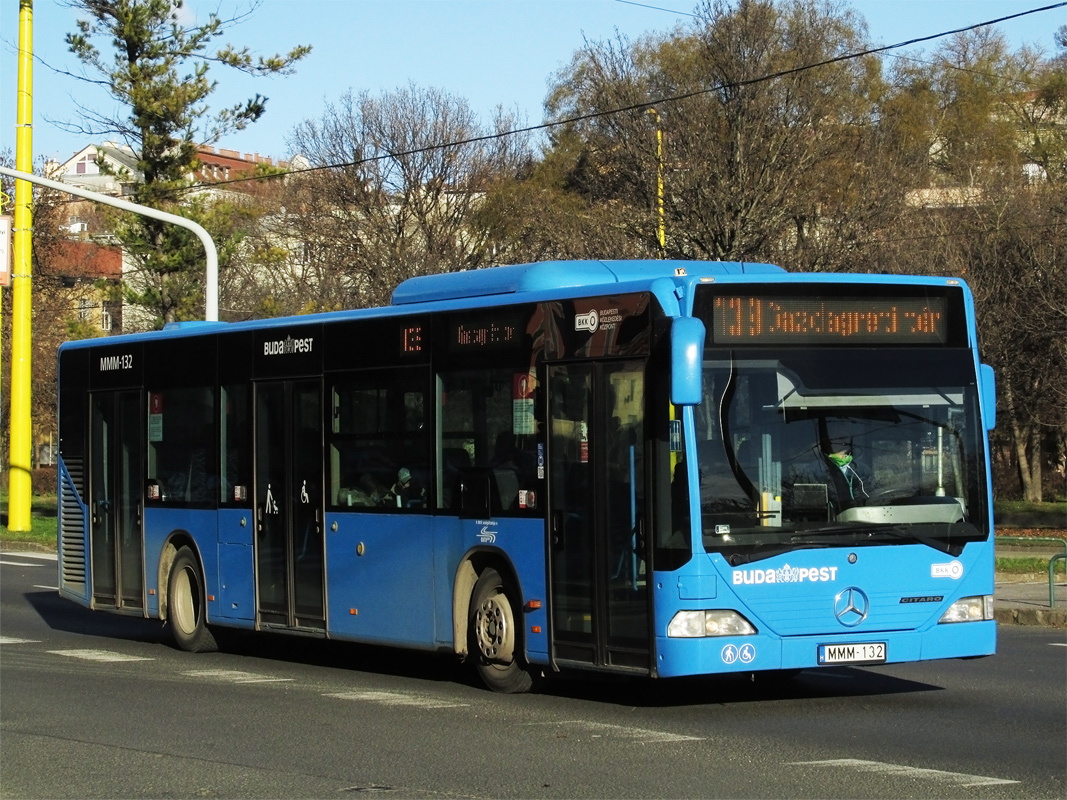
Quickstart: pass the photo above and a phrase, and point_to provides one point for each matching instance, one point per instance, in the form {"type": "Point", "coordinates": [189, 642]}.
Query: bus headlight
{"type": "Point", "coordinates": [970, 609]}
{"type": "Point", "coordinates": [717, 622]}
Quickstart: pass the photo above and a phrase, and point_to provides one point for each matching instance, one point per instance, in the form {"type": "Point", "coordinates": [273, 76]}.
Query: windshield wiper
{"type": "Point", "coordinates": [819, 536]}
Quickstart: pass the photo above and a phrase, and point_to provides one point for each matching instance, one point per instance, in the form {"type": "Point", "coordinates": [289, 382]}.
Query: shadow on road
{"type": "Point", "coordinates": [435, 667]}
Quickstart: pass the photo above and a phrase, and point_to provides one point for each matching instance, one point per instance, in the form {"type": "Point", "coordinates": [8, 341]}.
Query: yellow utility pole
{"type": "Point", "coordinates": [661, 232]}
{"type": "Point", "coordinates": [20, 488]}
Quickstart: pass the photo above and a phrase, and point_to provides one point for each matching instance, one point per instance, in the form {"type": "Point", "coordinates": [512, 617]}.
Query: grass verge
{"type": "Point", "coordinates": [1029, 565]}
{"type": "Point", "coordinates": [43, 513]}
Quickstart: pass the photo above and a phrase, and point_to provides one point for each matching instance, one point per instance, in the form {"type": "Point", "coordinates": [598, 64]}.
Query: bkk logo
{"type": "Point", "coordinates": [785, 574]}
{"type": "Point", "coordinates": [587, 322]}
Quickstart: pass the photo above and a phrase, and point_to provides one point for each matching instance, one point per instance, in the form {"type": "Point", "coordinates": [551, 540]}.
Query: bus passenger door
{"type": "Point", "coordinates": [288, 480]}
{"type": "Point", "coordinates": [599, 593]}
{"type": "Point", "coordinates": [115, 490]}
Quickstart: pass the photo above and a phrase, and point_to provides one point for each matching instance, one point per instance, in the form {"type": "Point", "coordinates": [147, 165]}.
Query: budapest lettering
{"type": "Point", "coordinates": [287, 346]}
{"type": "Point", "coordinates": [786, 574]}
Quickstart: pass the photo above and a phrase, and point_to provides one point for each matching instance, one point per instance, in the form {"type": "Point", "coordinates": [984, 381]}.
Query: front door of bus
{"type": "Point", "coordinates": [289, 536]}
{"type": "Point", "coordinates": [599, 592]}
{"type": "Point", "coordinates": [115, 482]}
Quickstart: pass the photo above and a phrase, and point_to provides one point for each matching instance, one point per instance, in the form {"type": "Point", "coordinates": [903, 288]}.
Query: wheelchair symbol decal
{"type": "Point", "coordinates": [746, 654]}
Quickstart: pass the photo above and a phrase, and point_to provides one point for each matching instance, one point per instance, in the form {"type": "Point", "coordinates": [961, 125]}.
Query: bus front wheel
{"type": "Point", "coordinates": [495, 639]}
{"type": "Point", "coordinates": [186, 604]}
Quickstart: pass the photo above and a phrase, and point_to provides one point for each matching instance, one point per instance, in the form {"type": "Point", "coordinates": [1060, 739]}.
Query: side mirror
{"type": "Point", "coordinates": [987, 381]}
{"type": "Point", "coordinates": [687, 361]}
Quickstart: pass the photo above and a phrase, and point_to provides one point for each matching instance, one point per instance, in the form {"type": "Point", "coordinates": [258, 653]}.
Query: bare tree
{"type": "Point", "coordinates": [763, 149]}
{"type": "Point", "coordinates": [993, 212]}
{"type": "Point", "coordinates": [393, 188]}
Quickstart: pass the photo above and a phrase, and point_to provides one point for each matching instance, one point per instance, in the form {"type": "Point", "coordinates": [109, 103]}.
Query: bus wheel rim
{"type": "Point", "coordinates": [184, 602]}
{"type": "Point", "coordinates": [495, 629]}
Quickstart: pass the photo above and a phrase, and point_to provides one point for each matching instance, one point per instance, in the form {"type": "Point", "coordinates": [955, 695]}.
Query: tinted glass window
{"type": "Point", "coordinates": [181, 446]}
{"type": "Point", "coordinates": [379, 443]}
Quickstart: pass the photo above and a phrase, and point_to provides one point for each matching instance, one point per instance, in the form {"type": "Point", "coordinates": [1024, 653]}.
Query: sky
{"type": "Point", "coordinates": [489, 52]}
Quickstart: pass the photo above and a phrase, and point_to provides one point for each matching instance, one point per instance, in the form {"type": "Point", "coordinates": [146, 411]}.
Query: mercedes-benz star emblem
{"type": "Point", "coordinates": [851, 607]}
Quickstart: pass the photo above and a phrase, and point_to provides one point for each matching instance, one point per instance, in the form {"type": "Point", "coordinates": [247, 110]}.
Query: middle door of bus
{"type": "Point", "coordinates": [288, 479]}
{"type": "Point", "coordinates": [599, 592]}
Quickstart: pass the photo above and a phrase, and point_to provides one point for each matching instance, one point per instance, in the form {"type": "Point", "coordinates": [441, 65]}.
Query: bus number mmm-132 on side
{"type": "Point", "coordinates": [109, 363]}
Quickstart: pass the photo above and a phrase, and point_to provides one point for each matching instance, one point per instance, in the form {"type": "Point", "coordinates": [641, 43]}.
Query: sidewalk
{"type": "Point", "coordinates": [1024, 600]}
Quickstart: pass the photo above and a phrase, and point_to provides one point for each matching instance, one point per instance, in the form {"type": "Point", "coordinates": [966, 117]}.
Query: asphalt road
{"type": "Point", "coordinates": [96, 705]}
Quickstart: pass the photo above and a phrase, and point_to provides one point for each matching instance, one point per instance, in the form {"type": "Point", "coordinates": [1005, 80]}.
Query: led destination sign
{"type": "Point", "coordinates": [792, 319]}
{"type": "Point", "coordinates": [500, 331]}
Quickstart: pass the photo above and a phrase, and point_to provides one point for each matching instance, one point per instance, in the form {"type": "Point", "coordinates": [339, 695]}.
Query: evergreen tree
{"type": "Point", "coordinates": [159, 75]}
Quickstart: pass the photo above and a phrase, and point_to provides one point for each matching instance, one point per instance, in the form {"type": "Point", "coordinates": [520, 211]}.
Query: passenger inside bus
{"type": "Point", "coordinates": [403, 494]}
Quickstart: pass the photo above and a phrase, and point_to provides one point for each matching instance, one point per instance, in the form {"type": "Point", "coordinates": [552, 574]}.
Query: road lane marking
{"type": "Point", "coordinates": [956, 778]}
{"type": "Point", "coordinates": [1058, 644]}
{"type": "Point", "coordinates": [30, 555]}
{"type": "Point", "coordinates": [7, 563]}
{"type": "Point", "coordinates": [48, 588]}
{"type": "Point", "coordinates": [233, 676]}
{"type": "Point", "coordinates": [398, 699]}
{"type": "Point", "coordinates": [99, 655]}
{"type": "Point", "coordinates": [601, 730]}
{"type": "Point", "coordinates": [13, 640]}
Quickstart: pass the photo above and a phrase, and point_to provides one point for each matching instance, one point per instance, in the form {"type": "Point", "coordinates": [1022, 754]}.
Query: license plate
{"type": "Point", "coordinates": [865, 653]}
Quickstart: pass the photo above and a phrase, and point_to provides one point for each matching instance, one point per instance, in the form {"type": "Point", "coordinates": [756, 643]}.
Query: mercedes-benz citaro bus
{"type": "Point", "coordinates": [653, 468]}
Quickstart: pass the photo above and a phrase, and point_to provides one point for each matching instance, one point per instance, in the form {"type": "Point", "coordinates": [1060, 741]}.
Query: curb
{"type": "Point", "coordinates": [25, 547]}
{"type": "Point", "coordinates": [1045, 617]}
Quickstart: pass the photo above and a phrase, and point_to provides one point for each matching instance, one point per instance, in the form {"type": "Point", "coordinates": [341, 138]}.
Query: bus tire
{"type": "Point", "coordinates": [187, 604]}
{"type": "Point", "coordinates": [495, 640]}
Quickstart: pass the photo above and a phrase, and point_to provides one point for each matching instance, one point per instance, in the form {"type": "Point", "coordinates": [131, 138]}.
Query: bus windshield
{"type": "Point", "coordinates": [818, 447]}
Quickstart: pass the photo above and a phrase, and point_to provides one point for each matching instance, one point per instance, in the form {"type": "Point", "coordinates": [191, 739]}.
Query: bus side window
{"type": "Point", "coordinates": [379, 442]}
{"type": "Point", "coordinates": [235, 457]}
{"type": "Point", "coordinates": [180, 443]}
{"type": "Point", "coordinates": [486, 431]}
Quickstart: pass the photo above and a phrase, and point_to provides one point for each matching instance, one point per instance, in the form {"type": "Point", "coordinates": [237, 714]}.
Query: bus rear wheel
{"type": "Point", "coordinates": [494, 636]}
{"type": "Point", "coordinates": [187, 606]}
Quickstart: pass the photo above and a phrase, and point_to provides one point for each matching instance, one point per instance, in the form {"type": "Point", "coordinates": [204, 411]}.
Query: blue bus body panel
{"type": "Point", "coordinates": [160, 524]}
{"type": "Point", "coordinates": [236, 590]}
{"type": "Point", "coordinates": [389, 594]}
{"type": "Point", "coordinates": [790, 600]}
{"type": "Point", "coordinates": [521, 542]}
{"type": "Point", "coordinates": [380, 574]}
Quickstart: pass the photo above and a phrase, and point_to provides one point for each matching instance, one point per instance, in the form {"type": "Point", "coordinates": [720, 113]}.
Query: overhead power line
{"type": "Point", "coordinates": [659, 102]}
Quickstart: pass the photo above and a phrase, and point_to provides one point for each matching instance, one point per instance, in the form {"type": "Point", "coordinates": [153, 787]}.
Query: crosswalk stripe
{"type": "Point", "coordinates": [98, 655]}
{"type": "Point", "coordinates": [233, 676]}
{"type": "Point", "coordinates": [398, 699]}
{"type": "Point", "coordinates": [603, 730]}
{"type": "Point", "coordinates": [956, 778]}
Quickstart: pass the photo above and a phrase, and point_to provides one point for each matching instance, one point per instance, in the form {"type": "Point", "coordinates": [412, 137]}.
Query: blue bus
{"type": "Point", "coordinates": [652, 468]}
